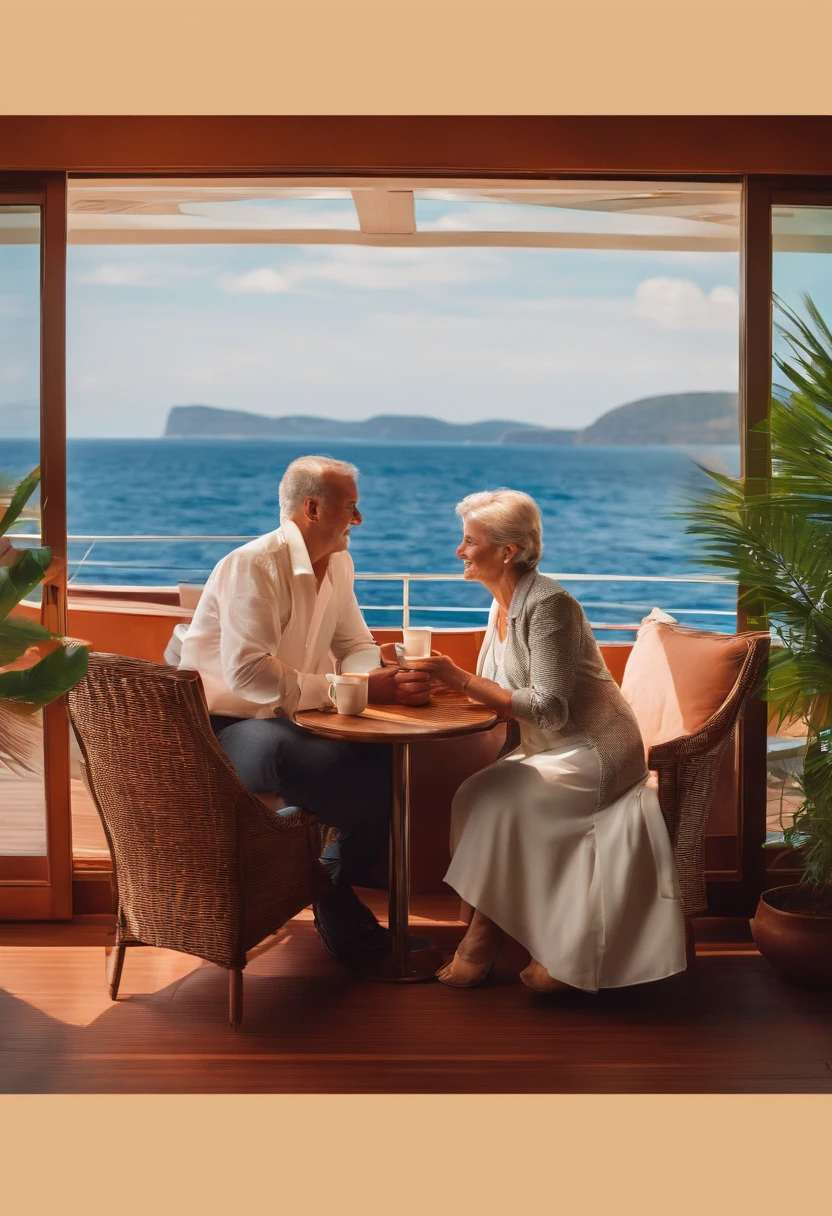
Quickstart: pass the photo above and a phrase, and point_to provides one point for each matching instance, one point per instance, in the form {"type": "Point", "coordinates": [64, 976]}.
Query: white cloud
{"type": "Point", "coordinates": [366, 269]}
{"type": "Point", "coordinates": [135, 274]}
{"type": "Point", "coordinates": [560, 365]}
{"type": "Point", "coordinates": [264, 281]}
{"type": "Point", "coordinates": [682, 304]}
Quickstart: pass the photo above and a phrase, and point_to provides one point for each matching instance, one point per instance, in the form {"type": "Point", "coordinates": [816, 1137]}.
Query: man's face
{"type": "Point", "coordinates": [338, 513]}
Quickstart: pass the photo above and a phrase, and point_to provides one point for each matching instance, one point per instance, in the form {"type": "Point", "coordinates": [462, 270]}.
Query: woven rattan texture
{"type": "Point", "coordinates": [200, 864]}
{"type": "Point", "coordinates": [687, 769]}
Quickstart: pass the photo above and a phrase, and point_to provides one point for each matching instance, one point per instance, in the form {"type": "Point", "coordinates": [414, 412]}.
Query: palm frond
{"type": "Point", "coordinates": [775, 536]}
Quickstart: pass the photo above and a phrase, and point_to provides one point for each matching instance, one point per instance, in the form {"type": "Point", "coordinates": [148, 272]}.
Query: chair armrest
{"type": "Point", "coordinates": [708, 738]}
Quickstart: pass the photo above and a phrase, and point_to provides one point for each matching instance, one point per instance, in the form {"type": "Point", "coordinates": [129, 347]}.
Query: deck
{"type": "Point", "coordinates": [311, 1027]}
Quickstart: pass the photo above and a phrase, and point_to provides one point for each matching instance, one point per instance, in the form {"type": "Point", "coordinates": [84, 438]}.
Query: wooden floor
{"type": "Point", "coordinates": [311, 1027]}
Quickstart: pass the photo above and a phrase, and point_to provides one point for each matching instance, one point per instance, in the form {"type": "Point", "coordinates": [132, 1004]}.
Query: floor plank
{"type": "Point", "coordinates": [311, 1027]}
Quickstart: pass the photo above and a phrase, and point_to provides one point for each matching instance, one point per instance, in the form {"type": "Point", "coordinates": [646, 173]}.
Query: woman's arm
{"type": "Point", "coordinates": [476, 687]}
{"type": "Point", "coordinates": [555, 631]}
{"type": "Point", "coordinates": [554, 641]}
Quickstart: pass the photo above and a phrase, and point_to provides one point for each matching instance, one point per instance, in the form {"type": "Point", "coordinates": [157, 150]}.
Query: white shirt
{"type": "Point", "coordinates": [263, 636]}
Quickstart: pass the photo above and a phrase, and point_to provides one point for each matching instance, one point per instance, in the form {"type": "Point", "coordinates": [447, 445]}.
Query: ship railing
{"type": "Point", "coordinates": [407, 580]}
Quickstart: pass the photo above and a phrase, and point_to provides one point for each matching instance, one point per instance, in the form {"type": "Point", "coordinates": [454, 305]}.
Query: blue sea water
{"type": "Point", "coordinates": [605, 511]}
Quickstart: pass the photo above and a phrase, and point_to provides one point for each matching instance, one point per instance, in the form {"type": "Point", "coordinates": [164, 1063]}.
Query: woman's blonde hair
{"type": "Point", "coordinates": [509, 517]}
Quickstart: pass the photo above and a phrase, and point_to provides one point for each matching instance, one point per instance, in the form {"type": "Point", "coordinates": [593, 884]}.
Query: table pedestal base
{"type": "Point", "coordinates": [420, 965]}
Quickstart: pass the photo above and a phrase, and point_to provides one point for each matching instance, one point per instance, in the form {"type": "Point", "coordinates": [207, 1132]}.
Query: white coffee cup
{"type": "Point", "coordinates": [416, 643]}
{"type": "Point", "coordinates": [348, 693]}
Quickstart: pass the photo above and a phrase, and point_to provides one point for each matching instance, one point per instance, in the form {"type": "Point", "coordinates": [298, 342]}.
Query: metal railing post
{"type": "Point", "coordinates": [406, 602]}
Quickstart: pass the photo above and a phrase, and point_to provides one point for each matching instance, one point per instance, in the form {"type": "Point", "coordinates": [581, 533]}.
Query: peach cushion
{"type": "Point", "coordinates": [676, 678]}
{"type": "Point", "coordinates": [189, 595]}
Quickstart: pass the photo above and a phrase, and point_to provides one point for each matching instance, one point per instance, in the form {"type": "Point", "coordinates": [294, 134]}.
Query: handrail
{"type": "Point", "coordinates": [617, 578]}
{"type": "Point", "coordinates": [406, 578]}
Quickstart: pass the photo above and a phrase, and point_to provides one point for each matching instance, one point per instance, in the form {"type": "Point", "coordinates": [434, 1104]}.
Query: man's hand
{"type": "Point", "coordinates": [388, 684]}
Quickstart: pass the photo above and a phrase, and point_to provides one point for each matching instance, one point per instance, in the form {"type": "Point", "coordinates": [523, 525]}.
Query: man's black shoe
{"type": "Point", "coordinates": [348, 929]}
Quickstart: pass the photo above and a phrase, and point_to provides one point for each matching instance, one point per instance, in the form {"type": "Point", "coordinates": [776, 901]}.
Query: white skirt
{"type": "Point", "coordinates": [593, 895]}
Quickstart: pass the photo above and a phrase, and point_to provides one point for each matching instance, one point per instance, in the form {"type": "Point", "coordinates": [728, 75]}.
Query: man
{"type": "Point", "coordinates": [273, 616]}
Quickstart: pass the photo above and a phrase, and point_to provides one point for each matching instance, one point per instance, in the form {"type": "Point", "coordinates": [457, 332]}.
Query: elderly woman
{"type": "Point", "coordinates": [559, 843]}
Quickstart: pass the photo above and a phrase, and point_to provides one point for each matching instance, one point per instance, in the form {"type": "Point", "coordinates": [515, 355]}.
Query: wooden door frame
{"type": "Point", "coordinates": [49, 897]}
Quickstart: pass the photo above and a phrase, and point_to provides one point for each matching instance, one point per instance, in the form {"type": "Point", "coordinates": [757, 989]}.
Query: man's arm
{"type": "Point", "coordinates": [353, 645]}
{"type": "Point", "coordinates": [249, 637]}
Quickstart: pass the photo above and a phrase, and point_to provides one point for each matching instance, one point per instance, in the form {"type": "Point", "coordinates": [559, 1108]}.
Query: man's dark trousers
{"type": "Point", "coordinates": [344, 785]}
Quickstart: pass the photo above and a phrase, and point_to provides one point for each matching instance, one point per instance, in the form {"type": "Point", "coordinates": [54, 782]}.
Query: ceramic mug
{"type": "Point", "coordinates": [416, 643]}
{"type": "Point", "coordinates": [348, 693]}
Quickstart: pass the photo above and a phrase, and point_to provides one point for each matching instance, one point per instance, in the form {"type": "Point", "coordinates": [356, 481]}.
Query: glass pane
{"type": "Point", "coordinates": [801, 243]}
{"type": "Point", "coordinates": [22, 803]}
{"type": "Point", "coordinates": [473, 347]}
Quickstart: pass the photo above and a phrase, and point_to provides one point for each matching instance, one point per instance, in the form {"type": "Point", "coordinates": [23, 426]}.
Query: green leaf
{"type": "Point", "coordinates": [18, 580]}
{"type": "Point", "coordinates": [17, 634]}
{"type": "Point", "coordinates": [48, 679]}
{"type": "Point", "coordinates": [774, 534]}
{"type": "Point", "coordinates": [21, 496]}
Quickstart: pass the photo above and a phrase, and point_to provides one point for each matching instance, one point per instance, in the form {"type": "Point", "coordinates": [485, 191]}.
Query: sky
{"type": "Point", "coordinates": [546, 336]}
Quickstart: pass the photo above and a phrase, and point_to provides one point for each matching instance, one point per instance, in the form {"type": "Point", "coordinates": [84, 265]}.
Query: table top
{"type": "Point", "coordinates": [447, 715]}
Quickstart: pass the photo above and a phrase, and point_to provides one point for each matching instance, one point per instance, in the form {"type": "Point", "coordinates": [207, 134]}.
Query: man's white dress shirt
{"type": "Point", "coordinates": [264, 636]}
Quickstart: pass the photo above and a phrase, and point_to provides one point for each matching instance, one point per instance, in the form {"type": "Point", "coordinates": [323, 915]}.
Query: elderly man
{"type": "Point", "coordinates": [273, 616]}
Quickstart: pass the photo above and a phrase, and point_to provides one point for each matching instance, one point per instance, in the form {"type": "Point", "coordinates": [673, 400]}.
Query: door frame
{"type": "Point", "coordinates": [48, 896]}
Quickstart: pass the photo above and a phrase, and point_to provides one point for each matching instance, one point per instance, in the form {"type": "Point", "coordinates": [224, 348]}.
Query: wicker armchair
{"type": "Point", "coordinates": [200, 864]}
{"type": "Point", "coordinates": [687, 769]}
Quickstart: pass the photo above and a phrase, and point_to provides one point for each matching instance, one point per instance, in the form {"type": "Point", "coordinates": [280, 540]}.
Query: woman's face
{"type": "Point", "coordinates": [483, 562]}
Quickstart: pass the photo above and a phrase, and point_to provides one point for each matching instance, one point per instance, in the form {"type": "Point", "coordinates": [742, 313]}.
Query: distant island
{"type": "Point", "coordinates": [204, 421]}
{"type": "Point", "coordinates": [675, 418]}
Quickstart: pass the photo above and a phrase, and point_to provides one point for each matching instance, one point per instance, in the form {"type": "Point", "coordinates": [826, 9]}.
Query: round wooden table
{"type": "Point", "coordinates": [447, 716]}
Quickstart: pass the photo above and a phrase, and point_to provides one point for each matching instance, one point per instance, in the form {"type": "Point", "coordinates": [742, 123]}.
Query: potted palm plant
{"type": "Point", "coordinates": [775, 535]}
{"type": "Point", "coordinates": [27, 681]}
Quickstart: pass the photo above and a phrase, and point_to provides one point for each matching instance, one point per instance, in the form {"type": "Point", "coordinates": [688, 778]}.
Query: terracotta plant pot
{"type": "Point", "coordinates": [798, 944]}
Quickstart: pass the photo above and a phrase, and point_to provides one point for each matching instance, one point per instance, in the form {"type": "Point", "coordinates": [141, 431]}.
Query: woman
{"type": "Point", "coordinates": [559, 843]}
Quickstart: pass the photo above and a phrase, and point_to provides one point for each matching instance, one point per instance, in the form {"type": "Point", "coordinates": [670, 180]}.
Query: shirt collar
{"type": "Point", "coordinates": [297, 548]}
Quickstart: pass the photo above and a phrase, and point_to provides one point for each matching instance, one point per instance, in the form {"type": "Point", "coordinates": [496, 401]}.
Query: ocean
{"type": "Point", "coordinates": [606, 511]}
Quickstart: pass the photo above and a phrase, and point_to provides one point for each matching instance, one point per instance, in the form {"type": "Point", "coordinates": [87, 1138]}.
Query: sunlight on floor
{"type": "Point", "coordinates": [69, 984]}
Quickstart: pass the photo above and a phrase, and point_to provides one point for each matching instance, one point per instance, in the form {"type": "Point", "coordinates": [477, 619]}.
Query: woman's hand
{"type": "Point", "coordinates": [442, 668]}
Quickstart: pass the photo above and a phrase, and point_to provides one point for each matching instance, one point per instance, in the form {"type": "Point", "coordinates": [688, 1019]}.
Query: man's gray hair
{"type": "Point", "coordinates": [307, 477]}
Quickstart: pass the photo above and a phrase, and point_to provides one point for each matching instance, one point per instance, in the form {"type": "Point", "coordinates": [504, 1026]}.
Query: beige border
{"type": "Point", "coordinates": [413, 1154]}
{"type": "Point", "coordinates": [430, 57]}
{"type": "Point", "coordinates": [578, 1155]}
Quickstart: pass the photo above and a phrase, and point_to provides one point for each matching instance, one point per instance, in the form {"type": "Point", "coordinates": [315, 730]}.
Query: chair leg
{"type": "Point", "coordinates": [113, 964]}
{"type": "Point", "coordinates": [235, 997]}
